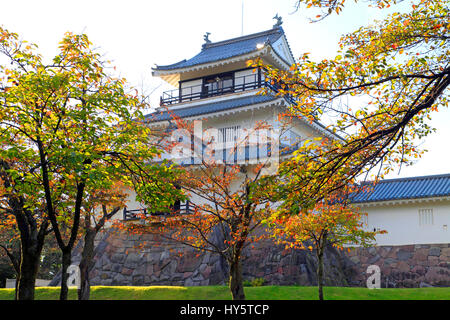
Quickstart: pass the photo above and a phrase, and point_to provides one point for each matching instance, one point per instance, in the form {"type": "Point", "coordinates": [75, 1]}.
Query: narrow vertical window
{"type": "Point", "coordinates": [426, 217]}
{"type": "Point", "coordinates": [228, 138]}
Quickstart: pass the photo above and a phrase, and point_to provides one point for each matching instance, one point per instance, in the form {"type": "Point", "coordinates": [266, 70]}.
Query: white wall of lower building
{"type": "Point", "coordinates": [404, 226]}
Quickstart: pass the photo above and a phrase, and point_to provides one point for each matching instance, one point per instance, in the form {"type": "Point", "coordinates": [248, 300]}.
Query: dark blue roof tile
{"type": "Point", "coordinates": [405, 188]}
{"type": "Point", "coordinates": [226, 49]}
{"type": "Point", "coordinates": [206, 108]}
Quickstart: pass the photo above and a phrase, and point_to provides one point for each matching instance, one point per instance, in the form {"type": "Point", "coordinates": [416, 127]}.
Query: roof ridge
{"type": "Point", "coordinates": [426, 177]}
{"type": "Point", "coordinates": [242, 38]}
{"type": "Point", "coordinates": [418, 187]}
{"type": "Point", "coordinates": [254, 99]}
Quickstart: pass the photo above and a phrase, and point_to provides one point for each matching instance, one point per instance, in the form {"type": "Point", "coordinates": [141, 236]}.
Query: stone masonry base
{"type": "Point", "coordinates": [139, 260]}
{"type": "Point", "coordinates": [406, 266]}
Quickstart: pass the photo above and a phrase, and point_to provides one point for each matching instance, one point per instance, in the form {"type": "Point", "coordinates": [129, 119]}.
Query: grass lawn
{"type": "Point", "coordinates": [252, 293]}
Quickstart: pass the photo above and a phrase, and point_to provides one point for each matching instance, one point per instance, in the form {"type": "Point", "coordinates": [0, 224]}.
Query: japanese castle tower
{"type": "Point", "coordinates": [218, 88]}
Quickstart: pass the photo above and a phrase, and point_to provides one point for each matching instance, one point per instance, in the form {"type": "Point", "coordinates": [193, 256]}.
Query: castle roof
{"type": "Point", "coordinates": [405, 188]}
{"type": "Point", "coordinates": [203, 109]}
{"type": "Point", "coordinates": [226, 49]}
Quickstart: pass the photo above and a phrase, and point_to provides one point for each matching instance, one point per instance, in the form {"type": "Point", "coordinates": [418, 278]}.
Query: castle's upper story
{"type": "Point", "coordinates": [221, 67]}
{"type": "Point", "coordinates": [230, 55]}
{"type": "Point", "coordinates": [218, 87]}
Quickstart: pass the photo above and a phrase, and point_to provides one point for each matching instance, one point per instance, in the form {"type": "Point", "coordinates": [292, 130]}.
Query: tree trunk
{"type": "Point", "coordinates": [32, 237]}
{"type": "Point", "coordinates": [66, 261]}
{"type": "Point", "coordinates": [29, 266]}
{"type": "Point", "coordinates": [16, 292]}
{"type": "Point", "coordinates": [236, 285]}
{"type": "Point", "coordinates": [86, 261]}
{"type": "Point", "coordinates": [320, 250]}
{"type": "Point", "coordinates": [320, 275]}
{"type": "Point", "coordinates": [18, 275]}
{"type": "Point", "coordinates": [16, 264]}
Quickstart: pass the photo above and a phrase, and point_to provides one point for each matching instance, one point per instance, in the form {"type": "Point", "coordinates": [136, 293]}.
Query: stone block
{"type": "Point", "coordinates": [127, 271]}
{"type": "Point", "coordinates": [107, 282]}
{"type": "Point", "coordinates": [118, 279]}
{"type": "Point", "coordinates": [374, 259]}
{"type": "Point", "coordinates": [137, 280]}
{"type": "Point", "coordinates": [438, 276]}
{"type": "Point", "coordinates": [188, 282]}
{"type": "Point", "coordinates": [433, 260]}
{"type": "Point", "coordinates": [420, 255]}
{"type": "Point", "coordinates": [206, 272]}
{"type": "Point", "coordinates": [118, 258]}
{"type": "Point", "coordinates": [424, 285]}
{"type": "Point", "coordinates": [170, 267]}
{"type": "Point", "coordinates": [419, 270]}
{"type": "Point", "coordinates": [402, 266]}
{"type": "Point", "coordinates": [104, 276]}
{"type": "Point", "coordinates": [153, 257]}
{"type": "Point", "coordinates": [434, 251]}
{"type": "Point", "coordinates": [116, 267]}
{"type": "Point", "coordinates": [354, 259]}
{"type": "Point", "coordinates": [149, 269]}
{"type": "Point", "coordinates": [404, 255]}
{"type": "Point", "coordinates": [409, 283]}
{"type": "Point", "coordinates": [445, 252]}
{"type": "Point", "coordinates": [140, 270]}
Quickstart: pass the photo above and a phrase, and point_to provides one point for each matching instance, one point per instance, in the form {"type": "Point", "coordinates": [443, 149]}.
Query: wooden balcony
{"type": "Point", "coordinates": [237, 84]}
{"type": "Point", "coordinates": [136, 214]}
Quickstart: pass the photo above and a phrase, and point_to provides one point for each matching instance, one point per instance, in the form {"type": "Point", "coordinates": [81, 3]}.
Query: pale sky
{"type": "Point", "coordinates": [136, 35]}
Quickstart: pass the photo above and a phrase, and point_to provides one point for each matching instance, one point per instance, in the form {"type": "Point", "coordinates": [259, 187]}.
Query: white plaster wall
{"type": "Point", "coordinates": [130, 202]}
{"type": "Point", "coordinates": [235, 186]}
{"type": "Point", "coordinates": [401, 221]}
{"type": "Point", "coordinates": [186, 87]}
{"type": "Point", "coordinates": [281, 48]}
{"type": "Point", "coordinates": [249, 75]}
{"type": "Point", "coordinates": [247, 119]}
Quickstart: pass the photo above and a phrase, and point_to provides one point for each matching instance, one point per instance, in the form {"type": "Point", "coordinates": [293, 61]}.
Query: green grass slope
{"type": "Point", "coordinates": [252, 293]}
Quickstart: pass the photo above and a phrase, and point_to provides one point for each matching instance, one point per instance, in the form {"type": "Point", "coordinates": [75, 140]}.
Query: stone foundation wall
{"type": "Point", "coordinates": [405, 266]}
{"type": "Point", "coordinates": [158, 262]}
{"type": "Point", "coordinates": [122, 259]}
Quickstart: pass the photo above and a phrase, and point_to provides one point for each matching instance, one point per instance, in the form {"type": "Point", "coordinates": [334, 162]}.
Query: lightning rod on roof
{"type": "Point", "coordinates": [242, 19]}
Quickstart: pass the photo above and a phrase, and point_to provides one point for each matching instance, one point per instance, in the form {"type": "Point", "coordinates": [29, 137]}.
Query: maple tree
{"type": "Point", "coordinates": [228, 212]}
{"type": "Point", "coordinates": [97, 211]}
{"type": "Point", "coordinates": [9, 244]}
{"type": "Point", "coordinates": [376, 94]}
{"type": "Point", "coordinates": [333, 221]}
{"type": "Point", "coordinates": [31, 227]}
{"type": "Point", "coordinates": [228, 204]}
{"type": "Point", "coordinates": [68, 130]}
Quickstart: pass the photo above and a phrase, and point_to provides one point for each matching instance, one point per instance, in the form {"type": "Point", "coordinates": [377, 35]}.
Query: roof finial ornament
{"type": "Point", "coordinates": [206, 37]}
{"type": "Point", "coordinates": [279, 21]}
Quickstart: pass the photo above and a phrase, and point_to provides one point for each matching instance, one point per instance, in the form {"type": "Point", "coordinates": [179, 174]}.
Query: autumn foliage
{"type": "Point", "coordinates": [70, 130]}
{"type": "Point", "coordinates": [376, 94]}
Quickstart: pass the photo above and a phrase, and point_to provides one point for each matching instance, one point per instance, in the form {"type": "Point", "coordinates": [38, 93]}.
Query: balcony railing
{"type": "Point", "coordinates": [136, 214]}
{"type": "Point", "coordinates": [221, 87]}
